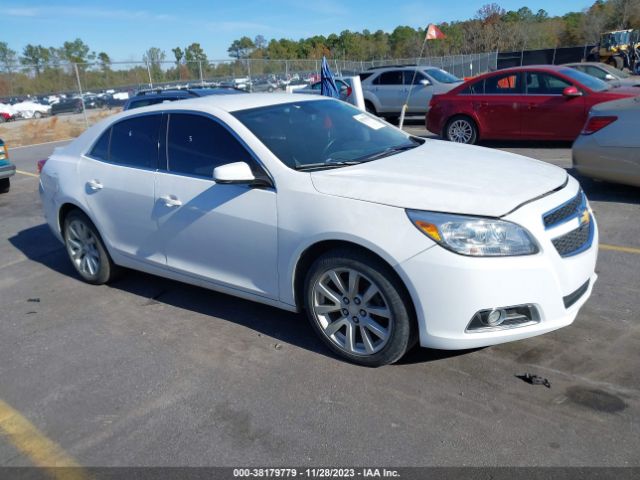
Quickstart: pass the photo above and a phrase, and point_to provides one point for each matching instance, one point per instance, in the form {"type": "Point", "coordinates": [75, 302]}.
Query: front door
{"type": "Point", "coordinates": [221, 232]}
{"type": "Point", "coordinates": [548, 114]}
{"type": "Point", "coordinates": [420, 94]}
{"type": "Point", "coordinates": [388, 88]}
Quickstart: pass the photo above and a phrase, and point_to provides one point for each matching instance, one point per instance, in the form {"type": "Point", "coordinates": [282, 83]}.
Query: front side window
{"type": "Point", "coordinates": [413, 76]}
{"type": "Point", "coordinates": [134, 142]}
{"type": "Point", "coordinates": [476, 88]}
{"type": "Point", "coordinates": [540, 83]}
{"type": "Point", "coordinates": [197, 144]}
{"type": "Point", "coordinates": [588, 81]}
{"type": "Point", "coordinates": [596, 72]}
{"type": "Point", "coordinates": [506, 84]}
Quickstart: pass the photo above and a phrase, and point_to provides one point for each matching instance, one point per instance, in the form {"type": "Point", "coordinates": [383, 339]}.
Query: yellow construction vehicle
{"type": "Point", "coordinates": [620, 49]}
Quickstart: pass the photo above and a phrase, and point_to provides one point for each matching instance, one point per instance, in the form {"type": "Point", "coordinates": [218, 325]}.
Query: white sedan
{"type": "Point", "coordinates": [306, 203]}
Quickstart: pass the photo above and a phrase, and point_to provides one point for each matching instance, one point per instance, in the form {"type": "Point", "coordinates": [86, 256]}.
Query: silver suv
{"type": "Point", "coordinates": [385, 89]}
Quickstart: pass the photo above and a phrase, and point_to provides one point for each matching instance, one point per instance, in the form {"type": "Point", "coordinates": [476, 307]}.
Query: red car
{"type": "Point", "coordinates": [524, 103]}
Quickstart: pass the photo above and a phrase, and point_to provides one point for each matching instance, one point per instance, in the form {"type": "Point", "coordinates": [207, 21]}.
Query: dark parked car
{"type": "Point", "coordinates": [524, 103]}
{"type": "Point", "coordinates": [68, 105]}
{"type": "Point", "coordinates": [145, 98]}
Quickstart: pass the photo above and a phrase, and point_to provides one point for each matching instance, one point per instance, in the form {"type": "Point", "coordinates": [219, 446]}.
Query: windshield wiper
{"type": "Point", "coordinates": [388, 151]}
{"type": "Point", "coordinates": [323, 165]}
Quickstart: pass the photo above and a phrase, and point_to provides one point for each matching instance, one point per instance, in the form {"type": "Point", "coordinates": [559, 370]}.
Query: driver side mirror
{"type": "Point", "coordinates": [237, 172]}
{"type": "Point", "coordinates": [570, 92]}
{"type": "Point", "coordinates": [608, 77]}
{"type": "Point", "coordinates": [424, 82]}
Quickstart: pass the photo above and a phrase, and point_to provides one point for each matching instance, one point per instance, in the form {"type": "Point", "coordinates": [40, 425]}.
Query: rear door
{"type": "Point", "coordinates": [498, 107]}
{"type": "Point", "coordinates": [119, 174]}
{"type": "Point", "coordinates": [548, 114]}
{"type": "Point", "coordinates": [222, 232]}
{"type": "Point", "coordinates": [388, 88]}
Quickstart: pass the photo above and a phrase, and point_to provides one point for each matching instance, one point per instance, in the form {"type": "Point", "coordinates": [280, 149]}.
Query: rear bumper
{"type": "Point", "coordinates": [7, 170]}
{"type": "Point", "coordinates": [614, 164]}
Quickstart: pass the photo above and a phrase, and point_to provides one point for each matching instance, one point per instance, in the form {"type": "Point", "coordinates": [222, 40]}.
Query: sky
{"type": "Point", "coordinates": [126, 29]}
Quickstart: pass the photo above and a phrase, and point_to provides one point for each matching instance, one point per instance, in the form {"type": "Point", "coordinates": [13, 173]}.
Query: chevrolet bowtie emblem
{"type": "Point", "coordinates": [585, 217]}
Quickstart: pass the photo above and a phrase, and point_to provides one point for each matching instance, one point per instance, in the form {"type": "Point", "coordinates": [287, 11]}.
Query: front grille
{"type": "Point", "coordinates": [564, 212]}
{"type": "Point", "coordinates": [575, 296]}
{"type": "Point", "coordinates": [575, 241]}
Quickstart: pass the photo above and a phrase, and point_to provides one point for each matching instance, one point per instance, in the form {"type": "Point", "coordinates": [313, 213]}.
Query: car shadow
{"type": "Point", "coordinates": [39, 245]}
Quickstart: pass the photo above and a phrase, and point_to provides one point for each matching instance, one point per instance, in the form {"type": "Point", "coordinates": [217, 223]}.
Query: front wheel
{"type": "Point", "coordinates": [37, 115]}
{"type": "Point", "coordinates": [359, 308]}
{"type": "Point", "coordinates": [86, 249]}
{"type": "Point", "coordinates": [461, 130]}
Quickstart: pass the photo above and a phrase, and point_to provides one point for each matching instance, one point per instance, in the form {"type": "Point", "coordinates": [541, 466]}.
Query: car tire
{"type": "Point", "coordinates": [616, 62]}
{"type": "Point", "coordinates": [86, 249]}
{"type": "Point", "coordinates": [392, 119]}
{"type": "Point", "coordinates": [5, 185]}
{"type": "Point", "coordinates": [372, 324]}
{"type": "Point", "coordinates": [461, 129]}
{"type": "Point", "coordinates": [37, 115]}
{"type": "Point", "coordinates": [369, 107]}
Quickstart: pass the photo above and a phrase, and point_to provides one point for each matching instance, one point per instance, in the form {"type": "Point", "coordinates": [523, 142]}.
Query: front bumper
{"type": "Point", "coordinates": [7, 169]}
{"type": "Point", "coordinates": [449, 289]}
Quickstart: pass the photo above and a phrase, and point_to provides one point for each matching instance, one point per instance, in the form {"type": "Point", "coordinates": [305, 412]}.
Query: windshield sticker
{"type": "Point", "coordinates": [368, 121]}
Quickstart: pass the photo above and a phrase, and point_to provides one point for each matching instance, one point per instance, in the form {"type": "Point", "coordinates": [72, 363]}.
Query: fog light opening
{"type": "Point", "coordinates": [502, 318]}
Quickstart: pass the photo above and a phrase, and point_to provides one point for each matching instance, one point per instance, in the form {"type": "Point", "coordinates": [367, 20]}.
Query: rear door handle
{"type": "Point", "coordinates": [171, 201]}
{"type": "Point", "coordinates": [95, 185]}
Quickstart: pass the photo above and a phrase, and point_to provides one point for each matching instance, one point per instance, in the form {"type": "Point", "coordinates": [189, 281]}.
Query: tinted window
{"type": "Point", "coordinates": [596, 72]}
{"type": "Point", "coordinates": [476, 88]}
{"type": "Point", "coordinates": [508, 83]}
{"type": "Point", "coordinates": [100, 150]}
{"type": "Point", "coordinates": [393, 77]}
{"type": "Point", "coordinates": [197, 144]}
{"type": "Point", "coordinates": [540, 83]}
{"type": "Point", "coordinates": [588, 81]}
{"type": "Point", "coordinates": [409, 76]}
{"type": "Point", "coordinates": [134, 142]}
{"type": "Point", "coordinates": [364, 76]}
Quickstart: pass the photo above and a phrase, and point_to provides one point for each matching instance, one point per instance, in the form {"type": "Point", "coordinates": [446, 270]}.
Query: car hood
{"type": "Point", "coordinates": [445, 177]}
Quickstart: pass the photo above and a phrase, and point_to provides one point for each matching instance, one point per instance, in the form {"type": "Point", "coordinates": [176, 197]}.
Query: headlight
{"type": "Point", "coordinates": [474, 236]}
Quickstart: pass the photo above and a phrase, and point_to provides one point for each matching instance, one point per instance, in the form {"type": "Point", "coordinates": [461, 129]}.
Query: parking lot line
{"type": "Point", "coordinates": [617, 248]}
{"type": "Point", "coordinates": [27, 173]}
{"type": "Point", "coordinates": [32, 443]}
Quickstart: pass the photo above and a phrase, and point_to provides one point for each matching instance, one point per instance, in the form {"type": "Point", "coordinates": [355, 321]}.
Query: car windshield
{"type": "Point", "coordinates": [588, 81]}
{"type": "Point", "coordinates": [442, 76]}
{"type": "Point", "coordinates": [315, 135]}
{"type": "Point", "coordinates": [614, 71]}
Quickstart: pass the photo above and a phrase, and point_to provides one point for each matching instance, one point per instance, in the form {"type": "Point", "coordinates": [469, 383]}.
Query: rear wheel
{"type": "Point", "coordinates": [616, 62]}
{"type": "Point", "coordinates": [359, 308]}
{"type": "Point", "coordinates": [5, 184]}
{"type": "Point", "coordinates": [461, 129]}
{"type": "Point", "coordinates": [86, 249]}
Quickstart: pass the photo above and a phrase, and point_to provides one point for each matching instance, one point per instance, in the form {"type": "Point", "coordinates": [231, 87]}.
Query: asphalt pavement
{"type": "Point", "coordinates": [147, 371]}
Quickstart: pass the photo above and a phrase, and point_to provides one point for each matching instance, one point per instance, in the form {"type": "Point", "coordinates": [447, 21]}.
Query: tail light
{"type": "Point", "coordinates": [596, 123]}
{"type": "Point", "coordinates": [432, 101]}
{"type": "Point", "coordinates": [5, 149]}
{"type": "Point", "coordinates": [41, 164]}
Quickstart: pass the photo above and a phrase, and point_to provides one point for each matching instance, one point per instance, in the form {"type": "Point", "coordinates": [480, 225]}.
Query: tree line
{"type": "Point", "coordinates": [45, 69]}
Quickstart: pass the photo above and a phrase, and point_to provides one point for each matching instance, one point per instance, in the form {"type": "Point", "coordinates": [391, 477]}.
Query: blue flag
{"type": "Point", "coordinates": [328, 86]}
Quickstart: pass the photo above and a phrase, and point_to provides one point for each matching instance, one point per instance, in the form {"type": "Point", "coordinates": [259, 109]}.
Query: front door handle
{"type": "Point", "coordinates": [171, 201]}
{"type": "Point", "coordinates": [95, 185]}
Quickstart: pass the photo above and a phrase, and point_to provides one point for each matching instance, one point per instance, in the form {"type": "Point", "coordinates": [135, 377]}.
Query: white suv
{"type": "Point", "coordinates": [307, 203]}
{"type": "Point", "coordinates": [386, 89]}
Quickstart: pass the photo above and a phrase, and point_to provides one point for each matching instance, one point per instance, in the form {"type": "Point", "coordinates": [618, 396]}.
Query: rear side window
{"type": "Point", "coordinates": [100, 150]}
{"type": "Point", "coordinates": [509, 84]}
{"type": "Point", "coordinates": [476, 88]}
{"type": "Point", "coordinates": [364, 76]}
{"type": "Point", "coordinates": [394, 77]}
{"type": "Point", "coordinates": [197, 144]}
{"type": "Point", "coordinates": [134, 142]}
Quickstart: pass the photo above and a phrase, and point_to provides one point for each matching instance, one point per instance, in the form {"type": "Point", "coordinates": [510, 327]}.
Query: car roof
{"type": "Point", "coordinates": [230, 103]}
{"type": "Point", "coordinates": [577, 64]}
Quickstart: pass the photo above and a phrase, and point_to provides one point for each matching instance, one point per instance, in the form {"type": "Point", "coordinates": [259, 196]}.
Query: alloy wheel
{"type": "Point", "coordinates": [460, 131]}
{"type": "Point", "coordinates": [352, 312]}
{"type": "Point", "coordinates": [82, 248]}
